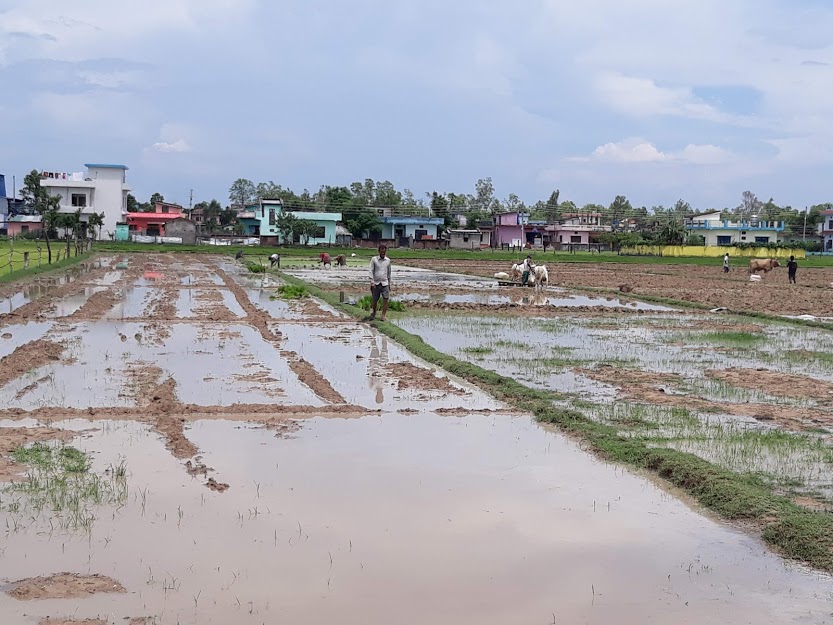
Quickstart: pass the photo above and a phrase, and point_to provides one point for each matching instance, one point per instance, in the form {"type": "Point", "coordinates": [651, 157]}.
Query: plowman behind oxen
{"type": "Point", "coordinates": [539, 277]}
{"type": "Point", "coordinates": [762, 264]}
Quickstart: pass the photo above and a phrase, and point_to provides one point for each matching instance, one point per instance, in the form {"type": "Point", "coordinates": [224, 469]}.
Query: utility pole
{"type": "Point", "coordinates": [806, 210]}
{"type": "Point", "coordinates": [190, 202]}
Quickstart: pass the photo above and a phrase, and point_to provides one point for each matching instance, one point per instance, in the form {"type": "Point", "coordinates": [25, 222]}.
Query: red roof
{"type": "Point", "coordinates": [153, 216]}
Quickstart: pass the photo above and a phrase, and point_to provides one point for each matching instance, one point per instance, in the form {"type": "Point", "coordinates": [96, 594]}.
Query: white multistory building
{"type": "Point", "coordinates": [101, 189]}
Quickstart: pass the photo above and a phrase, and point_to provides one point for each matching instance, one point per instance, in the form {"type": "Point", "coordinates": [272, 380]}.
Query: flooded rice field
{"type": "Point", "coordinates": [181, 445]}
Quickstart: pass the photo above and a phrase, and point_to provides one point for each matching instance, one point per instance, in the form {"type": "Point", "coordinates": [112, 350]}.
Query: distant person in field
{"type": "Point", "coordinates": [274, 259]}
{"type": "Point", "coordinates": [726, 262]}
{"type": "Point", "coordinates": [380, 281]}
{"type": "Point", "coordinates": [325, 260]}
{"type": "Point", "coordinates": [792, 267]}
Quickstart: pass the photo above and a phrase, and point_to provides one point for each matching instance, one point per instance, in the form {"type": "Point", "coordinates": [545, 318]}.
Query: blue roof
{"type": "Point", "coordinates": [105, 166]}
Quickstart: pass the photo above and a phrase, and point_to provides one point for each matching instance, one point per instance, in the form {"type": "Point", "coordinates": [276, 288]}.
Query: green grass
{"type": "Point", "coordinates": [366, 302]}
{"type": "Point", "coordinates": [254, 267]}
{"type": "Point", "coordinates": [34, 270]}
{"type": "Point", "coordinates": [478, 350]}
{"type": "Point", "coordinates": [311, 253]}
{"type": "Point", "coordinates": [798, 533]}
{"type": "Point", "coordinates": [59, 486]}
{"type": "Point", "coordinates": [292, 291]}
{"type": "Point", "coordinates": [732, 338]}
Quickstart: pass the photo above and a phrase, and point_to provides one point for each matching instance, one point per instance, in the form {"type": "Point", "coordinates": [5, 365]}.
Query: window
{"type": "Point", "coordinates": [465, 238]}
{"type": "Point", "coordinates": [761, 239]}
{"type": "Point", "coordinates": [723, 240]}
{"type": "Point", "coordinates": [79, 200]}
{"type": "Point", "coordinates": [319, 233]}
{"type": "Point", "coordinates": [576, 238]}
{"type": "Point", "coordinates": [165, 209]}
{"type": "Point", "coordinates": [24, 228]}
{"type": "Point", "coordinates": [271, 216]}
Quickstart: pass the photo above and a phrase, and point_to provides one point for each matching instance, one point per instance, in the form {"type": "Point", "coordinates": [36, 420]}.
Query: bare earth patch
{"type": "Point", "coordinates": [649, 388]}
{"type": "Point", "coordinates": [63, 586]}
{"type": "Point", "coordinates": [27, 357]}
{"type": "Point", "coordinates": [412, 377]}
{"type": "Point", "coordinates": [98, 305]}
{"type": "Point", "coordinates": [782, 384]}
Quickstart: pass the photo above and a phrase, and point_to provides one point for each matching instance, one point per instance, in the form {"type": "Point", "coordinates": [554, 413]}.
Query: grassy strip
{"type": "Point", "coordinates": [312, 252]}
{"type": "Point", "coordinates": [19, 274]}
{"type": "Point", "coordinates": [801, 534]}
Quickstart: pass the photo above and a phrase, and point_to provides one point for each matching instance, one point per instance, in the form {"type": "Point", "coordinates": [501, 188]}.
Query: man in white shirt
{"type": "Point", "coordinates": [380, 281]}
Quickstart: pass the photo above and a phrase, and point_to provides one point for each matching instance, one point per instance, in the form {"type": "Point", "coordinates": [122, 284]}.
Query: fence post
{"type": "Point", "coordinates": [26, 260]}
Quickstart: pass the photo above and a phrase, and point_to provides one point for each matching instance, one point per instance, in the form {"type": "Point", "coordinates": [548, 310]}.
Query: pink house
{"type": "Point", "coordinates": [509, 229]}
{"type": "Point", "coordinates": [22, 224]}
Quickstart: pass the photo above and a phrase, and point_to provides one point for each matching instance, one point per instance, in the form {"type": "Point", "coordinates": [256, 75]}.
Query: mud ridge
{"type": "Point", "coordinates": [63, 586]}
{"type": "Point", "coordinates": [27, 357]}
{"type": "Point", "coordinates": [98, 305]}
{"type": "Point", "coordinates": [310, 376]}
{"type": "Point", "coordinates": [255, 317]}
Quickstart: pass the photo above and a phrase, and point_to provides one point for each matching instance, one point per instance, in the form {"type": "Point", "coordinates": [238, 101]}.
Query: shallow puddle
{"type": "Point", "coordinates": [539, 299]}
{"type": "Point", "coordinates": [13, 336]}
{"type": "Point", "coordinates": [445, 520]}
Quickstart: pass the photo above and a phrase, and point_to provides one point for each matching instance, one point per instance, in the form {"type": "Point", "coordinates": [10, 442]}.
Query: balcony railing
{"type": "Point", "coordinates": [736, 225]}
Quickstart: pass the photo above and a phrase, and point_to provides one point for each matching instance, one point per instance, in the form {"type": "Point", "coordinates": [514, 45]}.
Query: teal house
{"type": "Point", "coordinates": [416, 228]}
{"type": "Point", "coordinates": [261, 220]}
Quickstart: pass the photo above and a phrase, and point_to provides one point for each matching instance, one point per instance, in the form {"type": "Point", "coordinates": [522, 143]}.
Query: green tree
{"type": "Point", "coordinates": [366, 222]}
{"type": "Point", "coordinates": [620, 209]}
{"type": "Point", "coordinates": [132, 203]}
{"type": "Point", "coordinates": [672, 233]}
{"type": "Point", "coordinates": [227, 216]}
{"type": "Point", "coordinates": [96, 220]}
{"type": "Point", "coordinates": [38, 200]}
{"type": "Point", "coordinates": [242, 193]}
{"type": "Point", "coordinates": [551, 208]}
{"type": "Point", "coordinates": [286, 226]}
{"type": "Point", "coordinates": [387, 195]}
{"type": "Point", "coordinates": [304, 230]}
{"type": "Point", "coordinates": [156, 198]}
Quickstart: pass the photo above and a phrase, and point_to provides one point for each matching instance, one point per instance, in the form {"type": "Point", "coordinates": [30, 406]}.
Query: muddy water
{"type": "Point", "coordinates": [413, 519]}
{"type": "Point", "coordinates": [13, 336]}
{"type": "Point", "coordinates": [564, 300]}
{"type": "Point", "coordinates": [213, 365]}
{"type": "Point", "coordinates": [355, 359]}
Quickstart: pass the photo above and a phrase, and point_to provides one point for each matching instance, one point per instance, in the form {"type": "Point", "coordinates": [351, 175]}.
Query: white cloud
{"type": "Point", "coordinates": [180, 145]}
{"type": "Point", "coordinates": [640, 151]}
{"type": "Point", "coordinates": [642, 97]}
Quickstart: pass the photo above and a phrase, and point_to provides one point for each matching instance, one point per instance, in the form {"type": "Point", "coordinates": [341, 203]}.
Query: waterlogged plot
{"type": "Point", "coordinates": [179, 447]}
{"type": "Point", "coordinates": [468, 510]}
{"type": "Point", "coordinates": [731, 392]}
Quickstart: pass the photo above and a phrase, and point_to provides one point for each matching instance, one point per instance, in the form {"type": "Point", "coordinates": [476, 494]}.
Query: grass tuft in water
{"type": "Point", "coordinates": [292, 291]}
{"type": "Point", "coordinates": [366, 302]}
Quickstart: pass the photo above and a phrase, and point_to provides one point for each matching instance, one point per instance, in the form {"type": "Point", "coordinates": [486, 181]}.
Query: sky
{"type": "Point", "coordinates": [653, 99]}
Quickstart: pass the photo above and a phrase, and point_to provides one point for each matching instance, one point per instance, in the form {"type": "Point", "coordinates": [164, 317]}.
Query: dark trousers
{"type": "Point", "coordinates": [792, 277]}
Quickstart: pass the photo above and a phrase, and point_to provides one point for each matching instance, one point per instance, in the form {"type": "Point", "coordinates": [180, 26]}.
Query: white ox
{"type": "Point", "coordinates": [539, 277]}
{"type": "Point", "coordinates": [517, 270]}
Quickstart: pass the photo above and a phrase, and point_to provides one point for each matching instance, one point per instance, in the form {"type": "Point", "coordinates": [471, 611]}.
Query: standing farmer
{"type": "Point", "coordinates": [726, 262]}
{"type": "Point", "coordinates": [526, 267]}
{"type": "Point", "coordinates": [380, 281]}
{"type": "Point", "coordinates": [792, 267]}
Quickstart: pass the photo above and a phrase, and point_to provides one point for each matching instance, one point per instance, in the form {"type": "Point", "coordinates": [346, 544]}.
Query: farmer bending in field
{"type": "Point", "coordinates": [380, 281]}
{"type": "Point", "coordinates": [792, 267]}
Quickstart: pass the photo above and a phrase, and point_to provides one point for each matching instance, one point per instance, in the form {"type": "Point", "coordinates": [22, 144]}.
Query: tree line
{"type": "Point", "coordinates": [361, 203]}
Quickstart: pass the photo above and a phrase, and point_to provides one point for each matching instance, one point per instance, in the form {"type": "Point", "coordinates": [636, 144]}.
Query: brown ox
{"type": "Point", "coordinates": [762, 264]}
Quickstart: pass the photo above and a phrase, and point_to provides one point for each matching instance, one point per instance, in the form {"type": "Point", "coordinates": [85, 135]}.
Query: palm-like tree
{"type": "Point", "coordinates": [96, 220]}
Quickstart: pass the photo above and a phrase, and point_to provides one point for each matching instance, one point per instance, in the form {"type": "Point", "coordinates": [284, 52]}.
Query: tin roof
{"type": "Point", "coordinates": [104, 166]}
